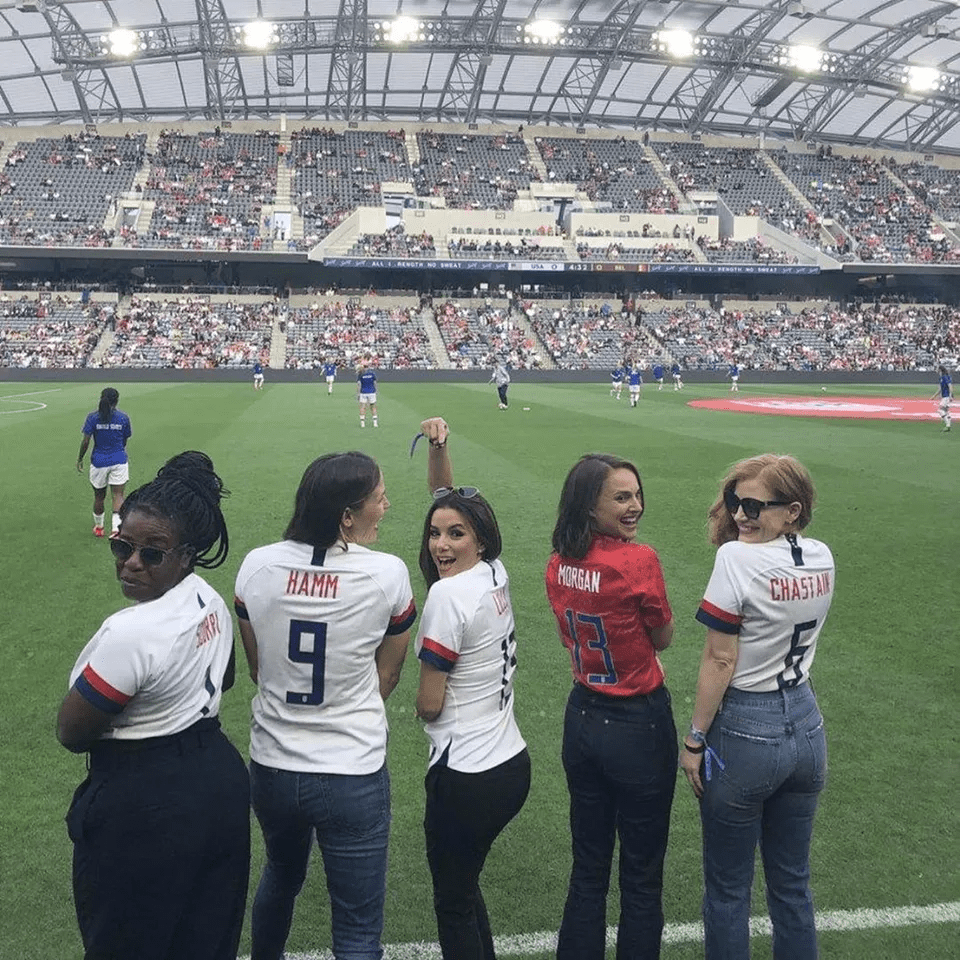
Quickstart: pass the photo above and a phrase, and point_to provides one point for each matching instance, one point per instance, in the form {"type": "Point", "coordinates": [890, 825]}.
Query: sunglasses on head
{"type": "Point", "coordinates": [468, 493]}
{"type": "Point", "coordinates": [751, 507]}
{"type": "Point", "coordinates": [123, 550]}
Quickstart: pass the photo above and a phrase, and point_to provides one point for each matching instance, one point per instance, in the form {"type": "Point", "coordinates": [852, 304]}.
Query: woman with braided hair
{"type": "Point", "coordinates": [160, 827]}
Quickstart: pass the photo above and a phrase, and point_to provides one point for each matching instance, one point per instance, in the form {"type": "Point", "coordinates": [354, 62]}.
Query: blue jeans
{"type": "Point", "coordinates": [620, 757]}
{"type": "Point", "coordinates": [350, 816]}
{"type": "Point", "coordinates": [775, 763]}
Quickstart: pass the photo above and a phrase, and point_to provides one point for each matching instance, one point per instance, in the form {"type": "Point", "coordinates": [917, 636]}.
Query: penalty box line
{"type": "Point", "coordinates": [833, 921]}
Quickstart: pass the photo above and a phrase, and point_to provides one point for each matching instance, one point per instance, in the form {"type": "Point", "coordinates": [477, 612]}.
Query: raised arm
{"type": "Point", "coordinates": [439, 467]}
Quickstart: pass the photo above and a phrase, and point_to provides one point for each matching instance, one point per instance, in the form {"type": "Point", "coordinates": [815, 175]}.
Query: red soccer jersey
{"type": "Point", "coordinates": [605, 605]}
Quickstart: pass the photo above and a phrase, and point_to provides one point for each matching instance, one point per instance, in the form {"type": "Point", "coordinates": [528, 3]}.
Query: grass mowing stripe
{"type": "Point", "coordinates": [842, 921]}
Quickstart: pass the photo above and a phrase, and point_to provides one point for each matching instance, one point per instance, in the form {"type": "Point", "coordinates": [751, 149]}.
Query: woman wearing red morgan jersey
{"type": "Point", "coordinates": [619, 739]}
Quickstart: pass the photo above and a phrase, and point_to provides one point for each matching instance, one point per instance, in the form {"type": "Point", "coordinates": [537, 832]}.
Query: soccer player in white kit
{"type": "Point", "coordinates": [755, 754]}
{"type": "Point", "coordinates": [325, 624]}
{"type": "Point", "coordinates": [478, 772]}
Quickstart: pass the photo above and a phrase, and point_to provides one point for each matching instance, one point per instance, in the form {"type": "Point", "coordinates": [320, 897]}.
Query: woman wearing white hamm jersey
{"type": "Point", "coordinates": [479, 770]}
{"type": "Point", "coordinates": [325, 623]}
{"type": "Point", "coordinates": [756, 752]}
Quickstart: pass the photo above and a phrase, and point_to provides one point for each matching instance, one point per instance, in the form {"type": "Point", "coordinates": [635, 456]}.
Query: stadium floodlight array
{"type": "Point", "coordinates": [677, 43]}
{"type": "Point", "coordinates": [260, 34]}
{"type": "Point", "coordinates": [922, 79]}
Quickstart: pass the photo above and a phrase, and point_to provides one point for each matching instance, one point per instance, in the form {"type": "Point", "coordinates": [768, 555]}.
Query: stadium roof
{"type": "Point", "coordinates": [475, 61]}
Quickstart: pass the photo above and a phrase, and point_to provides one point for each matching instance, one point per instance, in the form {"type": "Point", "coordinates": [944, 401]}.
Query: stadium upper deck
{"type": "Point", "coordinates": [604, 200]}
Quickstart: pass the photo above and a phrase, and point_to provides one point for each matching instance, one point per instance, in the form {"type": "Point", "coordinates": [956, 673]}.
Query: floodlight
{"type": "Point", "coordinates": [921, 79]}
{"type": "Point", "coordinates": [544, 31]}
{"type": "Point", "coordinates": [259, 34]}
{"type": "Point", "coordinates": [806, 59]}
{"type": "Point", "coordinates": [123, 43]}
{"type": "Point", "coordinates": [402, 30]}
{"type": "Point", "coordinates": [678, 43]}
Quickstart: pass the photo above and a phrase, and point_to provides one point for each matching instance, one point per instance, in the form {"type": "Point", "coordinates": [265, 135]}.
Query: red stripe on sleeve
{"type": "Point", "coordinates": [730, 618]}
{"type": "Point", "coordinates": [400, 618]}
{"type": "Point", "coordinates": [440, 651]}
{"type": "Point", "coordinates": [103, 688]}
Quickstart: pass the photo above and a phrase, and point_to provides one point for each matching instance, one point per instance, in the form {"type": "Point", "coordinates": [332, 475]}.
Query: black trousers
{"type": "Point", "coordinates": [465, 813]}
{"type": "Point", "coordinates": [502, 391]}
{"type": "Point", "coordinates": [161, 848]}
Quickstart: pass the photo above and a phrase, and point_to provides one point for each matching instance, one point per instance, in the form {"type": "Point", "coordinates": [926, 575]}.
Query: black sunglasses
{"type": "Point", "coordinates": [123, 550]}
{"type": "Point", "coordinates": [468, 493]}
{"type": "Point", "coordinates": [751, 507]}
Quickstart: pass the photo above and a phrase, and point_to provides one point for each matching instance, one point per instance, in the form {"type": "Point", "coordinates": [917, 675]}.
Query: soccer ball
{"type": "Point", "coordinates": [824, 389]}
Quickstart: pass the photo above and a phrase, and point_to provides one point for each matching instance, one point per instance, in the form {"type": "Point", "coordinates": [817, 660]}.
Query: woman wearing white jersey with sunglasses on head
{"type": "Point", "coordinates": [755, 754]}
{"type": "Point", "coordinates": [479, 770]}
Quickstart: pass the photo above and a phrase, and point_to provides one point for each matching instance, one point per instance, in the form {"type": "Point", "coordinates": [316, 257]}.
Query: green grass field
{"type": "Point", "coordinates": [886, 673]}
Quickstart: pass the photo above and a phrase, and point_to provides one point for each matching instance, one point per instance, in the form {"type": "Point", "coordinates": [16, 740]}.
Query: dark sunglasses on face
{"type": "Point", "coordinates": [751, 507]}
{"type": "Point", "coordinates": [123, 550]}
{"type": "Point", "coordinates": [468, 493]}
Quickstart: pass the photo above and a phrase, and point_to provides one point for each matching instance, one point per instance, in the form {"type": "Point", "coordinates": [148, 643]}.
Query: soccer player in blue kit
{"type": "Point", "coordinates": [636, 382]}
{"type": "Point", "coordinates": [330, 374]}
{"type": "Point", "coordinates": [109, 466]}
{"type": "Point", "coordinates": [734, 374]}
{"type": "Point", "coordinates": [616, 381]}
{"type": "Point", "coordinates": [367, 393]}
{"type": "Point", "coordinates": [945, 393]}
{"type": "Point", "coordinates": [257, 375]}
{"type": "Point", "coordinates": [658, 375]}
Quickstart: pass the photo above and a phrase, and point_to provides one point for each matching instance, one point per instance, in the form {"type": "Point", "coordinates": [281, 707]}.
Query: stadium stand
{"type": "Point", "coordinates": [473, 171]}
{"type": "Point", "coordinates": [191, 332]}
{"type": "Point", "coordinates": [344, 333]}
{"type": "Point", "coordinates": [59, 191]}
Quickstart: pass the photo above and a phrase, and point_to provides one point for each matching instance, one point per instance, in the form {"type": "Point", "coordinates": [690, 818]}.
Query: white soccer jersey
{"type": "Point", "coordinates": [159, 666]}
{"type": "Point", "coordinates": [467, 630]}
{"type": "Point", "coordinates": [775, 596]}
{"type": "Point", "coordinates": [319, 617]}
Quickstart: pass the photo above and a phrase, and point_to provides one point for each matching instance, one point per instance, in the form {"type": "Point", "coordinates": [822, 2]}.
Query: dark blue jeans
{"type": "Point", "coordinates": [161, 848]}
{"type": "Point", "coordinates": [620, 757]}
{"type": "Point", "coordinates": [775, 764]}
{"type": "Point", "coordinates": [465, 813]}
{"type": "Point", "coordinates": [350, 816]}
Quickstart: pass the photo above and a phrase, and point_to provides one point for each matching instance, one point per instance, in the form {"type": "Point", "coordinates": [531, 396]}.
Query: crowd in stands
{"type": "Point", "coordinates": [191, 333]}
{"type": "Point", "coordinates": [481, 337]}
{"type": "Point", "coordinates": [881, 337]}
{"type": "Point", "coordinates": [617, 174]}
{"type": "Point", "coordinates": [594, 337]}
{"type": "Point", "coordinates": [395, 242]}
{"type": "Point", "coordinates": [344, 333]}
{"type": "Point", "coordinates": [751, 251]}
{"type": "Point", "coordinates": [59, 191]}
{"type": "Point", "coordinates": [334, 172]}
{"type": "Point", "coordinates": [209, 190]}
{"type": "Point", "coordinates": [503, 249]}
{"type": "Point", "coordinates": [57, 333]}
{"type": "Point", "coordinates": [473, 172]}
{"type": "Point", "coordinates": [612, 252]}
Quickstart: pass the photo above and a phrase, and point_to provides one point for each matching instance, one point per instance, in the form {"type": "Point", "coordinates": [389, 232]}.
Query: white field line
{"type": "Point", "coordinates": [839, 921]}
{"type": "Point", "coordinates": [18, 397]}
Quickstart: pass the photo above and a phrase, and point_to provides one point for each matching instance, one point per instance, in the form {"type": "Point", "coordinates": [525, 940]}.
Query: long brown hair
{"type": "Point", "coordinates": [574, 530]}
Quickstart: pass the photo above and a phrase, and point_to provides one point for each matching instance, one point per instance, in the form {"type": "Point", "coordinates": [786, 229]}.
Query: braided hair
{"type": "Point", "coordinates": [109, 398]}
{"type": "Point", "coordinates": [187, 492]}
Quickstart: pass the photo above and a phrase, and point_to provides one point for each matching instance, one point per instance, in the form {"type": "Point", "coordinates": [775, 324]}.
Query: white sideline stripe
{"type": "Point", "coordinates": [842, 921]}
